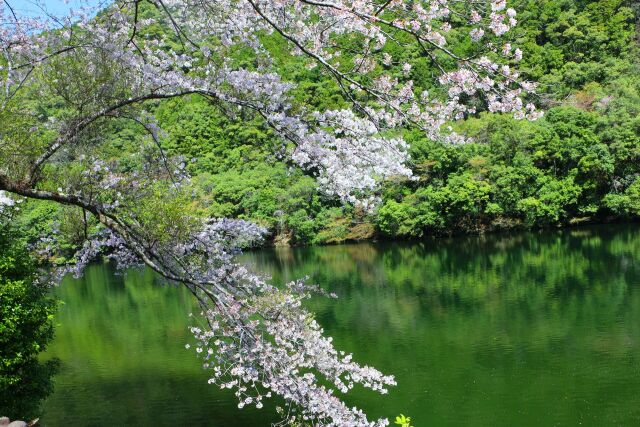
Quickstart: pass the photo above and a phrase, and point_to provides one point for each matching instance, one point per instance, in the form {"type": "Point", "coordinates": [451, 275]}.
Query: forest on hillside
{"type": "Point", "coordinates": [580, 163]}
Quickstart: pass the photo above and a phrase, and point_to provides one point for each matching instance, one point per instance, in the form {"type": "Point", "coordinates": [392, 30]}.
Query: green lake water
{"type": "Point", "coordinates": [530, 329]}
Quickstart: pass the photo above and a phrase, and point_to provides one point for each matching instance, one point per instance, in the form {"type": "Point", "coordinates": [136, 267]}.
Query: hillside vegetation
{"type": "Point", "coordinates": [579, 163]}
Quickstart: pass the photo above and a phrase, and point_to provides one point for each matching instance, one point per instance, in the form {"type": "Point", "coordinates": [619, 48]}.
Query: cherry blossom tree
{"type": "Point", "coordinates": [68, 82]}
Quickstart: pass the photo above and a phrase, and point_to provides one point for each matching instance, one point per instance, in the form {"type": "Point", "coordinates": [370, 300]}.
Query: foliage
{"type": "Point", "coordinates": [579, 163]}
{"type": "Point", "coordinates": [403, 421]}
{"type": "Point", "coordinates": [26, 327]}
{"type": "Point", "coordinates": [559, 170]}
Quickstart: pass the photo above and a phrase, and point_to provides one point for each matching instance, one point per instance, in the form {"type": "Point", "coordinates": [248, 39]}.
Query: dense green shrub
{"type": "Point", "coordinates": [26, 326]}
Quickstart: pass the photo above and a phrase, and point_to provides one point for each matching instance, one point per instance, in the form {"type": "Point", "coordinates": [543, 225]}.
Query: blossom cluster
{"type": "Point", "coordinates": [5, 200]}
{"type": "Point", "coordinates": [315, 28]}
{"type": "Point", "coordinates": [273, 345]}
{"type": "Point", "coordinates": [106, 243]}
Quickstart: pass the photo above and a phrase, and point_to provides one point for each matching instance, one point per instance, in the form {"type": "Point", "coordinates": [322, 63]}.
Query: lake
{"type": "Point", "coordinates": [539, 329]}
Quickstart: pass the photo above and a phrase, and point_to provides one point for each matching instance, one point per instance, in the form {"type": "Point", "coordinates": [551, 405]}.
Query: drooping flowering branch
{"type": "Point", "coordinates": [95, 70]}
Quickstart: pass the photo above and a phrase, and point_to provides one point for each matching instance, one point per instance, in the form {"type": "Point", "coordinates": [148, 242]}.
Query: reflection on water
{"type": "Point", "coordinates": [121, 344]}
{"type": "Point", "coordinates": [526, 329]}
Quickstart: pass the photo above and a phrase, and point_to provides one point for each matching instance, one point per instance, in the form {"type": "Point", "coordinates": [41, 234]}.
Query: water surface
{"type": "Point", "coordinates": [539, 329]}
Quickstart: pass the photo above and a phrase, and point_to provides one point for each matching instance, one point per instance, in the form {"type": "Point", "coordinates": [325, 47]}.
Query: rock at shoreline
{"type": "Point", "coordinates": [4, 422]}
